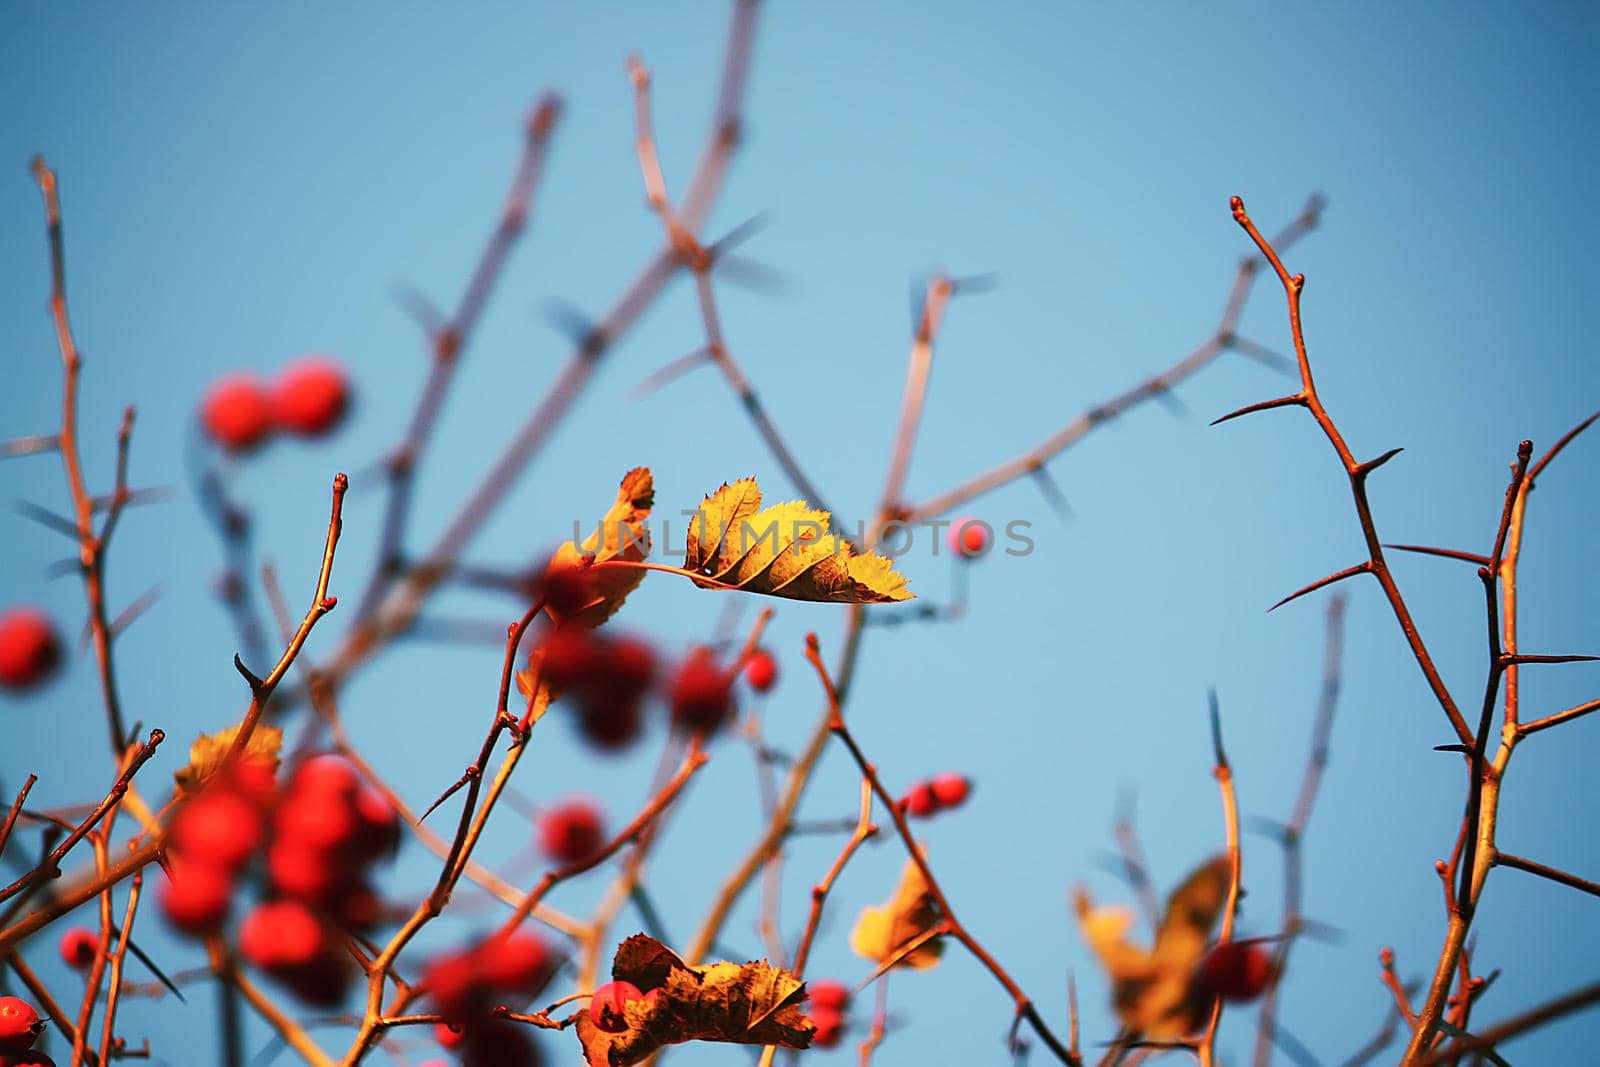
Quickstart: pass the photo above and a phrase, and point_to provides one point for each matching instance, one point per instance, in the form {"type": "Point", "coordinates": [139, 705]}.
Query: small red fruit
{"type": "Point", "coordinates": [282, 935]}
{"type": "Point", "coordinates": [761, 671]}
{"type": "Point", "coordinates": [950, 790]}
{"type": "Point", "coordinates": [311, 396]}
{"type": "Point", "coordinates": [197, 896]}
{"type": "Point", "coordinates": [827, 995]}
{"type": "Point", "coordinates": [29, 648]}
{"type": "Point", "coordinates": [920, 801]}
{"type": "Point", "coordinates": [611, 725]}
{"type": "Point", "coordinates": [79, 947]}
{"type": "Point", "coordinates": [323, 823]}
{"type": "Point", "coordinates": [830, 1028]}
{"type": "Point", "coordinates": [327, 776]}
{"type": "Point", "coordinates": [299, 871]}
{"type": "Point", "coordinates": [607, 1009]}
{"type": "Point", "coordinates": [449, 1036]}
{"type": "Point", "coordinates": [630, 666]}
{"type": "Point", "coordinates": [237, 412]}
{"type": "Point", "coordinates": [219, 827]}
{"type": "Point", "coordinates": [701, 693]}
{"type": "Point", "coordinates": [19, 1024]}
{"type": "Point", "coordinates": [517, 964]}
{"type": "Point", "coordinates": [452, 982]}
{"type": "Point", "coordinates": [572, 832]}
{"type": "Point", "coordinates": [1237, 971]}
{"type": "Point", "coordinates": [969, 538]}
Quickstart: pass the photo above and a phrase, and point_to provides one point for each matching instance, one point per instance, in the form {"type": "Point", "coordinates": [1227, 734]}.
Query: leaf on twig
{"type": "Point", "coordinates": [739, 1003]}
{"type": "Point", "coordinates": [209, 750]}
{"type": "Point", "coordinates": [784, 550]}
{"type": "Point", "coordinates": [881, 932]}
{"type": "Point", "coordinates": [1151, 988]}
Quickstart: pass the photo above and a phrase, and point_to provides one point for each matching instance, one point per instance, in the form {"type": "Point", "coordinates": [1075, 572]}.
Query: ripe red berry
{"type": "Point", "coordinates": [282, 935]}
{"type": "Point", "coordinates": [517, 964]}
{"type": "Point", "coordinates": [320, 822]}
{"type": "Point", "coordinates": [237, 412]}
{"type": "Point", "coordinates": [572, 832]}
{"type": "Point", "coordinates": [830, 1028]}
{"type": "Point", "coordinates": [969, 538]}
{"type": "Point", "coordinates": [701, 693]}
{"type": "Point", "coordinates": [629, 668]}
{"type": "Point", "coordinates": [79, 947]}
{"type": "Point", "coordinates": [452, 982]}
{"type": "Point", "coordinates": [569, 657]}
{"type": "Point", "coordinates": [611, 725]}
{"type": "Point", "coordinates": [325, 776]}
{"type": "Point", "coordinates": [302, 872]}
{"type": "Point", "coordinates": [311, 396]}
{"type": "Point", "coordinates": [761, 671]}
{"type": "Point", "coordinates": [379, 833]}
{"type": "Point", "coordinates": [197, 896]}
{"type": "Point", "coordinates": [29, 1058]}
{"type": "Point", "coordinates": [219, 827]}
{"type": "Point", "coordinates": [449, 1036]}
{"type": "Point", "coordinates": [607, 1009]}
{"type": "Point", "coordinates": [827, 995]}
{"type": "Point", "coordinates": [920, 801]}
{"type": "Point", "coordinates": [1237, 970]}
{"type": "Point", "coordinates": [950, 789]}
{"type": "Point", "coordinates": [19, 1025]}
{"type": "Point", "coordinates": [29, 648]}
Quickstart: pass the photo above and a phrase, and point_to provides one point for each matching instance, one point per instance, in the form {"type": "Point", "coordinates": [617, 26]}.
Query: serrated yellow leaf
{"type": "Point", "coordinates": [880, 932]}
{"type": "Point", "coordinates": [209, 750]}
{"type": "Point", "coordinates": [624, 534]}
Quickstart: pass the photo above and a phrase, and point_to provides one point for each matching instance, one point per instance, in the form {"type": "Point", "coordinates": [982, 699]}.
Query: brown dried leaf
{"type": "Point", "coordinates": [883, 931]}
{"type": "Point", "coordinates": [747, 1004]}
{"type": "Point", "coordinates": [1151, 987]}
{"type": "Point", "coordinates": [784, 550]}
{"type": "Point", "coordinates": [209, 750]}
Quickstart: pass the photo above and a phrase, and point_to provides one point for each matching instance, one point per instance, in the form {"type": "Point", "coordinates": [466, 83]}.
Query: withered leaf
{"type": "Point", "coordinates": [881, 932]}
{"type": "Point", "coordinates": [1151, 987]}
{"type": "Point", "coordinates": [209, 750]}
{"type": "Point", "coordinates": [740, 1003]}
{"type": "Point", "coordinates": [784, 550]}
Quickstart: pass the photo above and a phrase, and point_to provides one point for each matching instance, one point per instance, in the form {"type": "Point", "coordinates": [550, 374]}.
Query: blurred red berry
{"type": "Point", "coordinates": [302, 872]}
{"type": "Point", "coordinates": [452, 983]}
{"type": "Point", "coordinates": [1237, 970]}
{"type": "Point", "coordinates": [518, 964]}
{"type": "Point", "coordinates": [566, 587]}
{"type": "Point", "coordinates": [611, 725]}
{"type": "Point", "coordinates": [630, 666]}
{"type": "Point", "coordinates": [449, 1036]}
{"type": "Point", "coordinates": [830, 1028]}
{"type": "Point", "coordinates": [30, 651]}
{"type": "Point", "coordinates": [607, 1008]}
{"type": "Point", "coordinates": [701, 693]}
{"type": "Point", "coordinates": [281, 935]}
{"type": "Point", "coordinates": [19, 1024]}
{"type": "Point", "coordinates": [920, 801]}
{"type": "Point", "coordinates": [572, 832]}
{"type": "Point", "coordinates": [237, 412]}
{"type": "Point", "coordinates": [219, 827]}
{"type": "Point", "coordinates": [950, 790]}
{"type": "Point", "coordinates": [569, 657]}
{"type": "Point", "coordinates": [500, 1044]}
{"type": "Point", "coordinates": [79, 947]}
{"type": "Point", "coordinates": [969, 538]}
{"type": "Point", "coordinates": [311, 396]}
{"type": "Point", "coordinates": [827, 995]}
{"type": "Point", "coordinates": [314, 821]}
{"type": "Point", "coordinates": [325, 775]}
{"type": "Point", "coordinates": [379, 824]}
{"type": "Point", "coordinates": [761, 671]}
{"type": "Point", "coordinates": [29, 1058]}
{"type": "Point", "coordinates": [197, 896]}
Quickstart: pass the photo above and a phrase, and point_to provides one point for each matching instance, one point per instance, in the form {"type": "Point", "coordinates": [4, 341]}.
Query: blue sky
{"type": "Point", "coordinates": [246, 184]}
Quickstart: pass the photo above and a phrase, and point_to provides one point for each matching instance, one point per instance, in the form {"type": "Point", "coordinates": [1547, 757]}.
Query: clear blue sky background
{"type": "Point", "coordinates": [246, 183]}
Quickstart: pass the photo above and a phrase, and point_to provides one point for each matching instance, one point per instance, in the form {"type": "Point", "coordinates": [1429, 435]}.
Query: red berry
{"type": "Point", "coordinates": [29, 648]}
{"type": "Point", "coordinates": [19, 1024]}
{"type": "Point", "coordinates": [237, 412]}
{"type": "Point", "coordinates": [920, 801]}
{"type": "Point", "coordinates": [325, 776]}
{"type": "Point", "coordinates": [29, 1058]}
{"type": "Point", "coordinates": [761, 671]}
{"type": "Point", "coordinates": [322, 823]}
{"type": "Point", "coordinates": [630, 666]}
{"type": "Point", "coordinates": [517, 964]}
{"type": "Point", "coordinates": [566, 587]}
{"type": "Point", "coordinates": [827, 995]}
{"type": "Point", "coordinates": [701, 693]}
{"type": "Point", "coordinates": [969, 538]}
{"type": "Point", "coordinates": [79, 947]}
{"type": "Point", "coordinates": [219, 827]}
{"type": "Point", "coordinates": [311, 396]}
{"type": "Point", "coordinates": [282, 935]}
{"type": "Point", "coordinates": [1237, 970]}
{"type": "Point", "coordinates": [452, 983]}
{"type": "Point", "coordinates": [379, 833]}
{"type": "Point", "coordinates": [612, 724]}
{"type": "Point", "coordinates": [607, 1009]}
{"type": "Point", "coordinates": [950, 790]}
{"type": "Point", "coordinates": [298, 871]}
{"type": "Point", "coordinates": [572, 832]}
{"type": "Point", "coordinates": [830, 1028]}
{"type": "Point", "coordinates": [449, 1036]}
{"type": "Point", "coordinates": [569, 657]}
{"type": "Point", "coordinates": [197, 896]}
{"type": "Point", "coordinates": [322, 982]}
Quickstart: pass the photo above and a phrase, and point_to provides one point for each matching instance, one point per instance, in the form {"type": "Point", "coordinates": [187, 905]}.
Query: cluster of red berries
{"type": "Point", "coordinates": [327, 830]}
{"type": "Point", "coordinates": [607, 677]}
{"type": "Point", "coordinates": [309, 398]}
{"type": "Point", "coordinates": [571, 832]}
{"type": "Point", "coordinates": [466, 988]}
{"type": "Point", "coordinates": [969, 538]}
{"type": "Point", "coordinates": [1235, 970]}
{"type": "Point", "coordinates": [212, 839]}
{"type": "Point", "coordinates": [608, 1007]}
{"type": "Point", "coordinates": [939, 793]}
{"type": "Point", "coordinates": [30, 649]}
{"type": "Point", "coordinates": [828, 1002]}
{"type": "Point", "coordinates": [20, 1027]}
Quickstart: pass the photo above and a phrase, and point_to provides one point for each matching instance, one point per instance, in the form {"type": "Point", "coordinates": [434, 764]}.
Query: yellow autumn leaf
{"type": "Point", "coordinates": [881, 932]}
{"type": "Point", "coordinates": [624, 534]}
{"type": "Point", "coordinates": [209, 750]}
{"type": "Point", "coordinates": [738, 1003]}
{"type": "Point", "coordinates": [784, 550]}
{"type": "Point", "coordinates": [1151, 987]}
